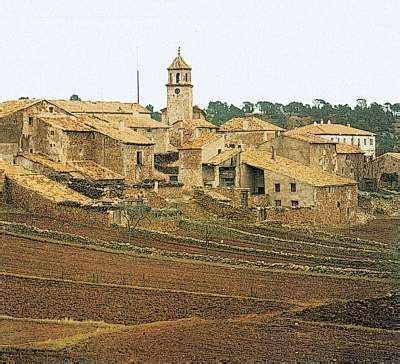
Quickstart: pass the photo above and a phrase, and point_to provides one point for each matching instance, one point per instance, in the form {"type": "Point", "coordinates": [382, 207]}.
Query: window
{"type": "Point", "coordinates": [149, 130]}
{"type": "Point", "coordinates": [30, 150]}
{"type": "Point", "coordinates": [178, 76]}
{"type": "Point", "coordinates": [277, 187]}
{"type": "Point", "coordinates": [293, 187]}
{"type": "Point", "coordinates": [371, 141]}
{"type": "Point", "coordinates": [219, 151]}
{"type": "Point", "coordinates": [260, 190]}
{"type": "Point", "coordinates": [186, 77]}
{"type": "Point", "coordinates": [170, 78]}
{"type": "Point", "coordinates": [139, 158]}
{"type": "Point", "coordinates": [365, 141]}
{"type": "Point", "coordinates": [338, 204]}
{"type": "Point", "coordinates": [173, 178]}
{"type": "Point", "coordinates": [52, 132]}
{"type": "Point", "coordinates": [278, 203]}
{"type": "Point", "coordinates": [295, 204]}
{"type": "Point", "coordinates": [30, 120]}
{"type": "Point", "coordinates": [51, 109]}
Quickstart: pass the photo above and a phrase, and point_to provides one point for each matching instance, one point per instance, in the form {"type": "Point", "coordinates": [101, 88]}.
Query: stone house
{"type": "Point", "coordinates": [350, 161]}
{"type": "Point", "coordinates": [338, 133]}
{"type": "Point", "coordinates": [131, 115]}
{"type": "Point", "coordinates": [194, 154]}
{"type": "Point", "coordinates": [321, 197]}
{"type": "Point", "coordinates": [15, 115]}
{"type": "Point", "coordinates": [249, 131]}
{"type": "Point", "coordinates": [385, 168]}
{"type": "Point", "coordinates": [308, 149]}
{"type": "Point", "coordinates": [155, 131]}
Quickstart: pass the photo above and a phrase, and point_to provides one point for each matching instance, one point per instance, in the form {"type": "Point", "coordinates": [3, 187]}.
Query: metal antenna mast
{"type": "Point", "coordinates": [137, 76]}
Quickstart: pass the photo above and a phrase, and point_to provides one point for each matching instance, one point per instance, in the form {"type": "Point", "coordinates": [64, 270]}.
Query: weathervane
{"type": "Point", "coordinates": [179, 51]}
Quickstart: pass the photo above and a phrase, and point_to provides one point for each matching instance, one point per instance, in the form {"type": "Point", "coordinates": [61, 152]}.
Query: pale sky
{"type": "Point", "coordinates": [250, 50]}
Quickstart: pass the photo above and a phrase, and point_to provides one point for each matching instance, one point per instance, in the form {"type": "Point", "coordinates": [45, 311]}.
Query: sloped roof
{"type": "Point", "coordinates": [94, 171]}
{"type": "Point", "coordinates": [195, 123]}
{"type": "Point", "coordinates": [306, 137]}
{"type": "Point", "coordinates": [390, 154]}
{"type": "Point", "coordinates": [42, 185]}
{"type": "Point", "coordinates": [343, 148]}
{"type": "Point", "coordinates": [331, 129]}
{"type": "Point", "coordinates": [65, 122]}
{"type": "Point", "coordinates": [92, 107]}
{"type": "Point", "coordinates": [249, 123]}
{"type": "Point", "coordinates": [202, 141]}
{"type": "Point", "coordinates": [133, 121]}
{"type": "Point", "coordinates": [222, 157]}
{"type": "Point", "coordinates": [126, 135]}
{"type": "Point", "coordinates": [289, 168]}
{"type": "Point", "coordinates": [179, 64]}
{"type": "Point", "coordinates": [8, 107]}
{"type": "Point", "coordinates": [48, 163]}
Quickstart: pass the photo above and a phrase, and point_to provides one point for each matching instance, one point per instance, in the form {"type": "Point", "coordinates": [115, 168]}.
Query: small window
{"type": "Point", "coordinates": [186, 77]}
{"type": "Point", "coordinates": [149, 130]}
{"type": "Point", "coordinates": [219, 151]}
{"type": "Point", "coordinates": [347, 157]}
{"type": "Point", "coordinates": [293, 187]}
{"type": "Point", "coordinates": [173, 178]}
{"type": "Point", "coordinates": [371, 141]}
{"type": "Point", "coordinates": [139, 158]}
{"type": "Point", "coordinates": [30, 120]}
{"type": "Point", "coordinates": [277, 187]}
{"type": "Point", "coordinates": [278, 203]}
{"type": "Point", "coordinates": [260, 190]}
{"type": "Point", "coordinates": [365, 141]}
{"type": "Point", "coordinates": [30, 150]}
{"type": "Point", "coordinates": [338, 204]}
{"type": "Point", "coordinates": [295, 204]}
{"type": "Point", "coordinates": [52, 132]}
{"type": "Point", "coordinates": [51, 109]}
{"type": "Point", "coordinates": [178, 77]}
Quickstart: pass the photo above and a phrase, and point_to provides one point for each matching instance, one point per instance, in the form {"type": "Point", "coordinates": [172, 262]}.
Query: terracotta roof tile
{"type": "Point", "coordinates": [202, 141]}
{"type": "Point", "coordinates": [306, 137]}
{"type": "Point", "coordinates": [133, 121]}
{"type": "Point", "coordinates": [94, 171]}
{"type": "Point", "coordinates": [90, 107]}
{"type": "Point", "coordinates": [48, 163]}
{"type": "Point", "coordinates": [65, 122]}
{"type": "Point", "coordinates": [179, 64]}
{"type": "Point", "coordinates": [42, 185]}
{"type": "Point", "coordinates": [249, 123]}
{"type": "Point", "coordinates": [331, 129]}
{"type": "Point", "coordinates": [309, 175]}
{"type": "Point", "coordinates": [125, 135]}
{"type": "Point", "coordinates": [9, 107]}
{"type": "Point", "coordinates": [343, 148]}
{"type": "Point", "coordinates": [222, 157]}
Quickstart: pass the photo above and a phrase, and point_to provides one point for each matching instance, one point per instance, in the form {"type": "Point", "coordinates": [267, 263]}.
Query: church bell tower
{"type": "Point", "coordinates": [179, 91]}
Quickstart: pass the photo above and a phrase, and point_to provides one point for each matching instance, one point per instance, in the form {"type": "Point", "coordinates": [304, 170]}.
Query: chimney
{"type": "Point", "coordinates": [121, 125]}
{"type": "Point", "coordinates": [329, 122]}
{"type": "Point", "coordinates": [315, 123]}
{"type": "Point", "coordinates": [348, 124]}
{"type": "Point", "coordinates": [273, 153]}
{"type": "Point", "coordinates": [322, 121]}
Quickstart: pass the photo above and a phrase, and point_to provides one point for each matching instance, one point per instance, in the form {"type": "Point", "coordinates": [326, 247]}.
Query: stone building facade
{"type": "Point", "coordinates": [249, 131]}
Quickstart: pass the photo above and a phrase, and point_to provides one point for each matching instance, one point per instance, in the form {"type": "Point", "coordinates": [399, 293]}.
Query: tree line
{"type": "Point", "coordinates": [375, 117]}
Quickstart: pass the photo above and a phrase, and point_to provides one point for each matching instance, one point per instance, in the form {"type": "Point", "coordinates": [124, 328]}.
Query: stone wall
{"type": "Point", "coordinates": [36, 203]}
{"type": "Point", "coordinates": [223, 210]}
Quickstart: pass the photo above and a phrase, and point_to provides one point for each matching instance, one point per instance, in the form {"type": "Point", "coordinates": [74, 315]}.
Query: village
{"type": "Point", "coordinates": [92, 160]}
{"type": "Point", "coordinates": [129, 239]}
